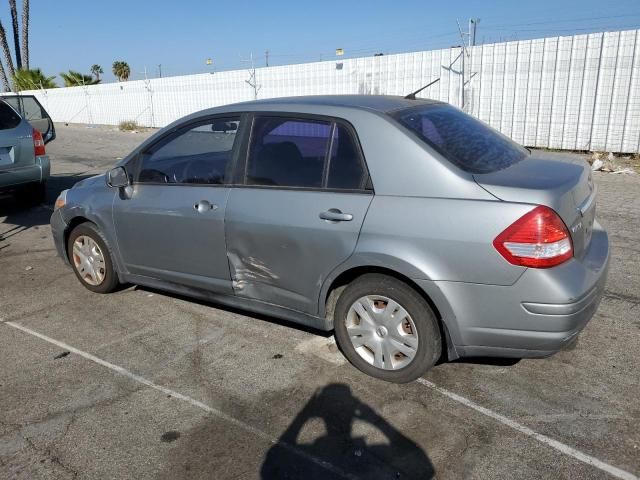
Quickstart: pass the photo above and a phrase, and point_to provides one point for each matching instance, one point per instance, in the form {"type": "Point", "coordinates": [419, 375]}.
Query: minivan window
{"type": "Point", "coordinates": [197, 155]}
{"type": "Point", "coordinates": [31, 109]}
{"type": "Point", "coordinates": [8, 117]}
{"type": "Point", "coordinates": [288, 153]}
{"type": "Point", "coordinates": [463, 140]}
{"type": "Point", "coordinates": [346, 168]}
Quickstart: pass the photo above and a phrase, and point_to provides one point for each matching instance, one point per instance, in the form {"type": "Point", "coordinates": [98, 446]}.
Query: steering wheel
{"type": "Point", "coordinates": [151, 175]}
{"type": "Point", "coordinates": [193, 173]}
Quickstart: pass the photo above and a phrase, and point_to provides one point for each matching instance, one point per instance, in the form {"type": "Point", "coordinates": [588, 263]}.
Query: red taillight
{"type": "Point", "coordinates": [38, 143]}
{"type": "Point", "coordinates": [538, 239]}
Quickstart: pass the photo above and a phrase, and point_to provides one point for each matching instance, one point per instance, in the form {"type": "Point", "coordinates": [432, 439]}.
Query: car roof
{"type": "Point", "coordinates": [378, 103]}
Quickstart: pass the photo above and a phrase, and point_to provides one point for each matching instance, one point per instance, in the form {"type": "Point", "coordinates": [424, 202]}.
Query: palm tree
{"type": "Point", "coordinates": [121, 70]}
{"type": "Point", "coordinates": [4, 45]}
{"type": "Point", "coordinates": [16, 32]}
{"type": "Point", "coordinates": [32, 80]}
{"type": "Point", "coordinates": [75, 79]}
{"type": "Point", "coordinates": [25, 34]}
{"type": "Point", "coordinates": [21, 54]}
{"type": "Point", "coordinates": [3, 79]}
{"type": "Point", "coordinates": [97, 71]}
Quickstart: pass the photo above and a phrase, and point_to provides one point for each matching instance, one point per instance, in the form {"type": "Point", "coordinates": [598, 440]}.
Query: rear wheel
{"type": "Point", "coordinates": [91, 260]}
{"type": "Point", "coordinates": [387, 329]}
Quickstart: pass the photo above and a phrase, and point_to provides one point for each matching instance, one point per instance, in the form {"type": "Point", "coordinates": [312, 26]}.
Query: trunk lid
{"type": "Point", "coordinates": [563, 183]}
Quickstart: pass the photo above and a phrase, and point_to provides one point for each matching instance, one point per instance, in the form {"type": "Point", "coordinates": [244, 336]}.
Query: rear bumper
{"type": "Point", "coordinates": [36, 172]}
{"type": "Point", "coordinates": [58, 229]}
{"type": "Point", "coordinates": [538, 315]}
{"type": "Point", "coordinates": [45, 167]}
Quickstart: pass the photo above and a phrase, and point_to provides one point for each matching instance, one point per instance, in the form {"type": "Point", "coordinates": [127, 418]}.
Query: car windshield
{"type": "Point", "coordinates": [464, 141]}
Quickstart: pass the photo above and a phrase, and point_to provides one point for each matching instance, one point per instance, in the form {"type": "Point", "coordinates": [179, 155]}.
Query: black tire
{"type": "Point", "coordinates": [110, 281]}
{"type": "Point", "coordinates": [424, 319]}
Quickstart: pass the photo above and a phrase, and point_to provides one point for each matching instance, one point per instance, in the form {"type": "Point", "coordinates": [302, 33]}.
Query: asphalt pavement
{"type": "Point", "coordinates": [142, 384]}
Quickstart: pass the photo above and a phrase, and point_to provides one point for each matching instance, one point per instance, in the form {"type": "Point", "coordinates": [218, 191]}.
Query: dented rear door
{"type": "Point", "coordinates": [297, 213]}
{"type": "Point", "coordinates": [280, 250]}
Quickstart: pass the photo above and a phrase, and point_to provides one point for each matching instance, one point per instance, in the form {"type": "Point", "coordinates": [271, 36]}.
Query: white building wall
{"type": "Point", "coordinates": [578, 92]}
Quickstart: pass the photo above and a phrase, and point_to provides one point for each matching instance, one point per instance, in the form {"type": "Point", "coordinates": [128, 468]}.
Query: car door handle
{"type": "Point", "coordinates": [335, 215]}
{"type": "Point", "coordinates": [204, 206]}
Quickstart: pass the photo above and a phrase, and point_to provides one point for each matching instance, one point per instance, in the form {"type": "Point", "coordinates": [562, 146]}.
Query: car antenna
{"type": "Point", "coordinates": [412, 96]}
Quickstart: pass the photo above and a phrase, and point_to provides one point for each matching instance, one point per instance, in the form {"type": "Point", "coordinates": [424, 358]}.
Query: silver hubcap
{"type": "Point", "coordinates": [89, 260]}
{"type": "Point", "coordinates": [382, 332]}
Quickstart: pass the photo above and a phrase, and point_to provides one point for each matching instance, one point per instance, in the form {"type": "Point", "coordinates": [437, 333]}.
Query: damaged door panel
{"type": "Point", "coordinates": [281, 249]}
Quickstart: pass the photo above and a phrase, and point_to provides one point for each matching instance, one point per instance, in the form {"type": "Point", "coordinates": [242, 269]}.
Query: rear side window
{"type": "Point", "coordinates": [32, 110]}
{"type": "Point", "coordinates": [196, 155]}
{"type": "Point", "coordinates": [8, 117]}
{"type": "Point", "coordinates": [287, 152]}
{"type": "Point", "coordinates": [463, 140]}
{"type": "Point", "coordinates": [28, 107]}
{"type": "Point", "coordinates": [346, 166]}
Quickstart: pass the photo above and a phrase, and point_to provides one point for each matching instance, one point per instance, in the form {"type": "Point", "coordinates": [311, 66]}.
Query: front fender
{"type": "Point", "coordinates": [94, 205]}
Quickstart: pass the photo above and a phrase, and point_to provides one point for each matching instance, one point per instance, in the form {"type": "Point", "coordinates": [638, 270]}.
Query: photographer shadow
{"type": "Point", "coordinates": [342, 450]}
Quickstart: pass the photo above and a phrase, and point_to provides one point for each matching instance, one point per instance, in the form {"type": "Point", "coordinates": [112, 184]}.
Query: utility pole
{"type": "Point", "coordinates": [266, 58]}
{"type": "Point", "coordinates": [463, 54]}
{"type": "Point", "coordinates": [160, 70]}
{"type": "Point", "coordinates": [473, 26]}
{"type": "Point", "coordinates": [466, 44]}
{"type": "Point", "coordinates": [252, 78]}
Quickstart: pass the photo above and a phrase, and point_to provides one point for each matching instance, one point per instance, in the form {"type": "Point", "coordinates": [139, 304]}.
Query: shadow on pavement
{"type": "Point", "coordinates": [342, 419]}
{"type": "Point", "coordinates": [490, 361]}
{"type": "Point", "coordinates": [21, 213]}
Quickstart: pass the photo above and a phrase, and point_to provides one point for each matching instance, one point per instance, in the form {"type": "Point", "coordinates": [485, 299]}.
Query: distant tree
{"type": "Point", "coordinates": [121, 70]}
{"type": "Point", "coordinates": [6, 52]}
{"type": "Point", "coordinates": [75, 79]}
{"type": "Point", "coordinates": [21, 54]}
{"type": "Point", "coordinates": [16, 33]}
{"type": "Point", "coordinates": [96, 70]}
{"type": "Point", "coordinates": [32, 79]}
{"type": "Point", "coordinates": [4, 79]}
{"type": "Point", "coordinates": [25, 34]}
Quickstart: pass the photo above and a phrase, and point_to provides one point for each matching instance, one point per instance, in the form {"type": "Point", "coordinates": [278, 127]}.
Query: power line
{"type": "Point", "coordinates": [594, 28]}
{"type": "Point", "coordinates": [545, 22]}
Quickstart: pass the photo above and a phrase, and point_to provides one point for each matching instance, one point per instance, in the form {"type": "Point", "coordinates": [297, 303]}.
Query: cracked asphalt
{"type": "Point", "coordinates": [159, 386]}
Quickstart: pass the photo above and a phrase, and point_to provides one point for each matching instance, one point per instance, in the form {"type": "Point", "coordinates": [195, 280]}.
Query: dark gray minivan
{"type": "Point", "coordinates": [411, 229]}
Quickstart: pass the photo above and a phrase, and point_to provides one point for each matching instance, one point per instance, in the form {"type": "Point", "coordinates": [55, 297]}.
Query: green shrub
{"type": "Point", "coordinates": [128, 126]}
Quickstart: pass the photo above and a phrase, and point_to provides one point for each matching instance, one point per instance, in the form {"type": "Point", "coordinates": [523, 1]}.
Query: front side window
{"type": "Point", "coordinates": [197, 155]}
{"type": "Point", "coordinates": [287, 153]}
{"type": "Point", "coordinates": [463, 140]}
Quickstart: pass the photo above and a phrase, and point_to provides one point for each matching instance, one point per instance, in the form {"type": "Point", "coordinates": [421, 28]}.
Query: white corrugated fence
{"type": "Point", "coordinates": [577, 92]}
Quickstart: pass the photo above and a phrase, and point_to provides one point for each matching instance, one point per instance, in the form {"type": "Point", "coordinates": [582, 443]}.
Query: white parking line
{"type": "Point", "coordinates": [559, 446]}
{"type": "Point", "coordinates": [191, 401]}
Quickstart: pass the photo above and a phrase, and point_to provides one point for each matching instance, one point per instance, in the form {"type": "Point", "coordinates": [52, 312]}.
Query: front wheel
{"type": "Point", "coordinates": [91, 260]}
{"type": "Point", "coordinates": [386, 329]}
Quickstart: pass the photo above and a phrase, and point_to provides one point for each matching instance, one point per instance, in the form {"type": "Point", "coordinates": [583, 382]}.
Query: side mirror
{"type": "Point", "coordinates": [117, 177]}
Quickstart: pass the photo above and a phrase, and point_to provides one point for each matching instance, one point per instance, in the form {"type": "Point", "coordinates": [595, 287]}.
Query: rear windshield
{"type": "Point", "coordinates": [461, 139]}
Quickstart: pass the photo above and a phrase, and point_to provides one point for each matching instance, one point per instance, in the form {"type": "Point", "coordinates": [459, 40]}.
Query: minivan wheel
{"type": "Point", "coordinates": [90, 259]}
{"type": "Point", "coordinates": [386, 329]}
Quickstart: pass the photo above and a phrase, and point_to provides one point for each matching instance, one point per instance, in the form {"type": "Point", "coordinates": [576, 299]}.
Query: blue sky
{"type": "Point", "coordinates": [181, 35]}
